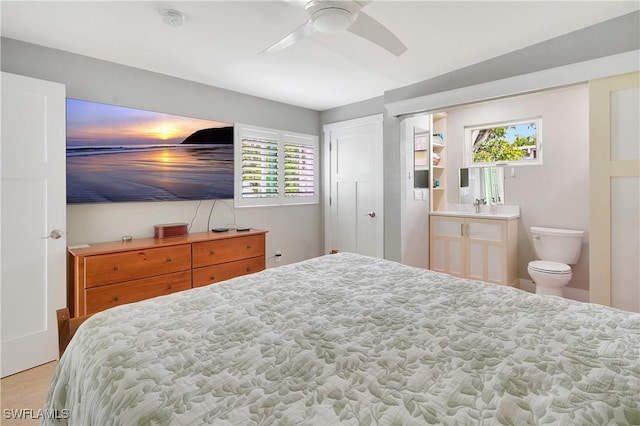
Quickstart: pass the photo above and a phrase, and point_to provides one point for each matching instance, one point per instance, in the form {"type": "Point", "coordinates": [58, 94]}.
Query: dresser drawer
{"type": "Point", "coordinates": [105, 297]}
{"type": "Point", "coordinates": [227, 250]}
{"type": "Point", "coordinates": [130, 265]}
{"type": "Point", "coordinates": [225, 271]}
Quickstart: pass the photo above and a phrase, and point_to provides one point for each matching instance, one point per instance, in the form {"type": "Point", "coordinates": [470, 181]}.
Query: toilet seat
{"type": "Point", "coordinates": [548, 267]}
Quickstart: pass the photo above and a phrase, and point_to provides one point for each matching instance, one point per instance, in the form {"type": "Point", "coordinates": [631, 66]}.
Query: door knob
{"type": "Point", "coordinates": [372, 214]}
{"type": "Point", "coordinates": [55, 234]}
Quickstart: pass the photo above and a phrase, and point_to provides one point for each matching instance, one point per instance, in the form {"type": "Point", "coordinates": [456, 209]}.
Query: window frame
{"type": "Point", "coordinates": [281, 139]}
{"type": "Point", "coordinates": [468, 143]}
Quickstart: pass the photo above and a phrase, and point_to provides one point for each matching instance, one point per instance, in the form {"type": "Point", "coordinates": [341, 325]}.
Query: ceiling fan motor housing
{"type": "Point", "coordinates": [332, 16]}
{"type": "Point", "coordinates": [332, 19]}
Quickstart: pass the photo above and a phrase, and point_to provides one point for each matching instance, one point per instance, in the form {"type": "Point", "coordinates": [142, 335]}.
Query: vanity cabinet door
{"type": "Point", "coordinates": [447, 248]}
{"type": "Point", "coordinates": [486, 250]}
{"type": "Point", "coordinates": [478, 249]}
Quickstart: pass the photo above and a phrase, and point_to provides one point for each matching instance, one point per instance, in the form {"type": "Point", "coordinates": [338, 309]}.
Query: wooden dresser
{"type": "Point", "coordinates": [108, 274]}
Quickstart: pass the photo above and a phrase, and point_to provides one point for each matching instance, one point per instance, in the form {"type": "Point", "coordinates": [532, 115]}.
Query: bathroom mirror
{"type": "Point", "coordinates": [420, 157]}
{"type": "Point", "coordinates": [482, 183]}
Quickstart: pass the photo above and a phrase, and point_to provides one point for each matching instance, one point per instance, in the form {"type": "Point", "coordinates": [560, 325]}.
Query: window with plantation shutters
{"type": "Point", "coordinates": [275, 167]}
{"type": "Point", "coordinates": [259, 168]}
{"type": "Point", "coordinates": [299, 170]}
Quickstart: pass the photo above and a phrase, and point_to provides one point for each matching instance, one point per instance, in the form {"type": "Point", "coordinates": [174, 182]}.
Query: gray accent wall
{"type": "Point", "coordinates": [356, 110]}
{"type": "Point", "coordinates": [295, 231]}
{"type": "Point", "coordinates": [101, 81]}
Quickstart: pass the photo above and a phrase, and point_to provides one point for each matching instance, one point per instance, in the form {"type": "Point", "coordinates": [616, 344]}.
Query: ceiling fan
{"type": "Point", "coordinates": [339, 15]}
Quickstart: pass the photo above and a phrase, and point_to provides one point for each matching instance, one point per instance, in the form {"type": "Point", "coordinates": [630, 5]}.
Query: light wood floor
{"type": "Point", "coordinates": [26, 390]}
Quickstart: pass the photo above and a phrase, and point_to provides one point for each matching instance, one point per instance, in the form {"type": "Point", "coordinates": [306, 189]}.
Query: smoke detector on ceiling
{"type": "Point", "coordinates": [172, 18]}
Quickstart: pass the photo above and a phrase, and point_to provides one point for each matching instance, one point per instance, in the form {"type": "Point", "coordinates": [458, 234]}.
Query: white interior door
{"type": "Point", "coordinates": [354, 202]}
{"type": "Point", "coordinates": [614, 241]}
{"type": "Point", "coordinates": [33, 194]}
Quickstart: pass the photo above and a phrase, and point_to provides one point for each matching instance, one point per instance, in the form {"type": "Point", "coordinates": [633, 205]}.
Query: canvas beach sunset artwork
{"type": "Point", "coordinates": [120, 154]}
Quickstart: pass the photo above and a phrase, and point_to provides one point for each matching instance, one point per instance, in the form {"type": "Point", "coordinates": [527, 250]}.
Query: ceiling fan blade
{"type": "Point", "coordinates": [301, 33]}
{"type": "Point", "coordinates": [370, 29]}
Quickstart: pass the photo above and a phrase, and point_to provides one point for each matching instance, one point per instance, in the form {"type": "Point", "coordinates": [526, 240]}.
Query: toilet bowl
{"type": "Point", "coordinates": [556, 249]}
{"type": "Point", "coordinates": [549, 277]}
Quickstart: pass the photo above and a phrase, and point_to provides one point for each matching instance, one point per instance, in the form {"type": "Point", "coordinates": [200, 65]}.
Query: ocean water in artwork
{"type": "Point", "coordinates": [158, 172]}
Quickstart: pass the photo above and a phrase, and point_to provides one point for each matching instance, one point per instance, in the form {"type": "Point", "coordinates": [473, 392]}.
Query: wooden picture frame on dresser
{"type": "Point", "coordinates": [109, 274]}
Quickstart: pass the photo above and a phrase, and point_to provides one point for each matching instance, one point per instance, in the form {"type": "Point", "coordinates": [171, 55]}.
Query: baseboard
{"type": "Point", "coordinates": [527, 285]}
{"type": "Point", "coordinates": [568, 292]}
{"type": "Point", "coordinates": [576, 294]}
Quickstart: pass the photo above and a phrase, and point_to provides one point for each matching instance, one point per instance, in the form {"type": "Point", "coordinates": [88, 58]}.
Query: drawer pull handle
{"type": "Point", "coordinates": [248, 269]}
{"type": "Point", "coordinates": [115, 299]}
{"type": "Point", "coordinates": [169, 259]}
{"type": "Point", "coordinates": [115, 268]}
{"type": "Point", "coordinates": [169, 287]}
{"type": "Point", "coordinates": [212, 278]}
{"type": "Point", "coordinates": [248, 247]}
{"type": "Point", "coordinates": [211, 252]}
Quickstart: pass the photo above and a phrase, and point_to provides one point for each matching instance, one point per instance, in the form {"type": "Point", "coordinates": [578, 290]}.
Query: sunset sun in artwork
{"type": "Point", "coordinates": [165, 132]}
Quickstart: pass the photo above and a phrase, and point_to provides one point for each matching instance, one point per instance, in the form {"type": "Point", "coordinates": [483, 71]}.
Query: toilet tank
{"type": "Point", "coordinates": [557, 245]}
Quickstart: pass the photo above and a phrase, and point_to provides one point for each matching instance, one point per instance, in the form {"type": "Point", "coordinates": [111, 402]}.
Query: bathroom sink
{"type": "Point", "coordinates": [482, 214]}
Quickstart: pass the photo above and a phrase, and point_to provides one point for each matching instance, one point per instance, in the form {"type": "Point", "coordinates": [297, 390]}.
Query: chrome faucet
{"type": "Point", "coordinates": [478, 202]}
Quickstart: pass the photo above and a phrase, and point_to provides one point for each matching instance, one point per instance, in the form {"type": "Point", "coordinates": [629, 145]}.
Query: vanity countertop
{"type": "Point", "coordinates": [481, 215]}
{"type": "Point", "coordinates": [463, 210]}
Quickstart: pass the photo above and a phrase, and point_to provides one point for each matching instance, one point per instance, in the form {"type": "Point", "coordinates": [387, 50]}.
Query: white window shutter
{"type": "Point", "coordinates": [259, 168]}
{"type": "Point", "coordinates": [275, 168]}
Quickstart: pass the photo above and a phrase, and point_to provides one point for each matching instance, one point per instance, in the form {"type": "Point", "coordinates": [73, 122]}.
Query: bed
{"type": "Point", "coordinates": [349, 339]}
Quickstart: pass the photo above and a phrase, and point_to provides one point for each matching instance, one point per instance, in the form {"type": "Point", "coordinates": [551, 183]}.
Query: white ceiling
{"type": "Point", "coordinates": [220, 40]}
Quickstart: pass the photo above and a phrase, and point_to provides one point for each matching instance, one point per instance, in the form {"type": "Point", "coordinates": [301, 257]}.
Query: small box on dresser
{"type": "Point", "coordinates": [108, 274]}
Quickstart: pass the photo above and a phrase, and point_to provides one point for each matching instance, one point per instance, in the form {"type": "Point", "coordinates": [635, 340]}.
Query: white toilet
{"type": "Point", "coordinates": [556, 249]}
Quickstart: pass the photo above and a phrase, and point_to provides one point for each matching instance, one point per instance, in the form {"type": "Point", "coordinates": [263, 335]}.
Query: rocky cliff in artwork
{"type": "Point", "coordinates": [217, 135]}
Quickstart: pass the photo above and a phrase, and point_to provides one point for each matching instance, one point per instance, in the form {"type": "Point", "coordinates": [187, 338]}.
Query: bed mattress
{"type": "Point", "coordinates": [349, 339]}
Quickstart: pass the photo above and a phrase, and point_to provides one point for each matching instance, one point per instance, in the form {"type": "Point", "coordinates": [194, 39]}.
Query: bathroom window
{"type": "Point", "coordinates": [510, 142]}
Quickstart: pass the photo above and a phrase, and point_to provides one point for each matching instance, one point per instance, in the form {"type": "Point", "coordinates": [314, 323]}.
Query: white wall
{"type": "Point", "coordinates": [295, 231]}
{"type": "Point", "coordinates": [554, 194]}
{"type": "Point", "coordinates": [415, 219]}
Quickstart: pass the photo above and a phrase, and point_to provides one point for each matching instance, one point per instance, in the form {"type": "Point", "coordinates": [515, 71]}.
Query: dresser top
{"type": "Point", "coordinates": [144, 243]}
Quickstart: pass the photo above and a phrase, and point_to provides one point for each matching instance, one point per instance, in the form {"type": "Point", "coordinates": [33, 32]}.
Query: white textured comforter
{"type": "Point", "coordinates": [355, 340]}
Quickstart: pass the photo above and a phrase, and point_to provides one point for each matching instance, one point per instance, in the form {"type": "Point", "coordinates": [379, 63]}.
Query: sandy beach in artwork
{"type": "Point", "coordinates": [151, 172]}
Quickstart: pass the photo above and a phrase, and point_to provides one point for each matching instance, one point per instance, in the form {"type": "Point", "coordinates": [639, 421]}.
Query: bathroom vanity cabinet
{"type": "Point", "coordinates": [484, 249]}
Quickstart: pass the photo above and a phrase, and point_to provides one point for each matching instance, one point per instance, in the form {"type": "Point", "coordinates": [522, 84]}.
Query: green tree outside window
{"type": "Point", "coordinates": [492, 145]}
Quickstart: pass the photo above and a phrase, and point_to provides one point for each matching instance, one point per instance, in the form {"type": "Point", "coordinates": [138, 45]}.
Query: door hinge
{"type": "Point", "coordinates": [329, 200]}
